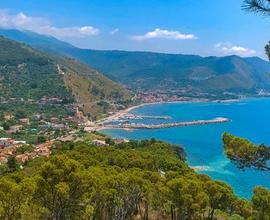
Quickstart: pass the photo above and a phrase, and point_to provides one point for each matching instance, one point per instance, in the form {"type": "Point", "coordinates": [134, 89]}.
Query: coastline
{"type": "Point", "coordinates": [127, 110]}
{"type": "Point", "coordinates": [183, 102]}
{"type": "Point", "coordinates": [197, 145]}
{"type": "Point", "coordinates": [123, 112]}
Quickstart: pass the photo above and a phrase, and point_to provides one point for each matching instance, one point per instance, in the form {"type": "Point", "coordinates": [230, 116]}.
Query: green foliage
{"type": "Point", "coordinates": [25, 148]}
{"type": "Point", "coordinates": [109, 141]}
{"type": "Point", "coordinates": [41, 139]}
{"type": "Point", "coordinates": [13, 195]}
{"type": "Point", "coordinates": [26, 73]}
{"type": "Point", "coordinates": [22, 67]}
{"type": "Point", "coordinates": [60, 188]}
{"type": "Point", "coordinates": [135, 180]}
{"type": "Point", "coordinates": [12, 164]}
{"type": "Point", "coordinates": [3, 169]}
{"type": "Point", "coordinates": [20, 113]}
{"type": "Point", "coordinates": [220, 197]}
{"type": "Point", "coordinates": [246, 154]}
{"type": "Point", "coordinates": [6, 126]}
{"type": "Point", "coordinates": [168, 72]}
{"type": "Point", "coordinates": [261, 203]}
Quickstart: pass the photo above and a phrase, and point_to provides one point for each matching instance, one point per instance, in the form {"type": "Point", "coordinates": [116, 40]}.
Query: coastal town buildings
{"type": "Point", "coordinates": [99, 143]}
{"type": "Point", "coordinates": [24, 121]}
{"type": "Point", "coordinates": [14, 129]}
{"type": "Point", "coordinates": [6, 142]}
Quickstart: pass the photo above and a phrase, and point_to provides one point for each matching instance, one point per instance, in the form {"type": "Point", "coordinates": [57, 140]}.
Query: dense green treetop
{"type": "Point", "coordinates": [135, 180]}
{"type": "Point", "coordinates": [246, 154]}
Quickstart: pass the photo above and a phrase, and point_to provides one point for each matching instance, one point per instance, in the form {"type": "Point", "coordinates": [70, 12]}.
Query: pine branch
{"type": "Point", "coordinates": [258, 6]}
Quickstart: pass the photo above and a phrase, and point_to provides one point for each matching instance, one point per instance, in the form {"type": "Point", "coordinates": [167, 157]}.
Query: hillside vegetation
{"type": "Point", "coordinates": [187, 75]}
{"type": "Point", "coordinates": [26, 73]}
{"type": "Point", "coordinates": [191, 74]}
{"type": "Point", "coordinates": [136, 180]}
{"type": "Point", "coordinates": [29, 74]}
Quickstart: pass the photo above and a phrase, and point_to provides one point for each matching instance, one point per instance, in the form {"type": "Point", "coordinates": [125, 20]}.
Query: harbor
{"type": "Point", "coordinates": [167, 125]}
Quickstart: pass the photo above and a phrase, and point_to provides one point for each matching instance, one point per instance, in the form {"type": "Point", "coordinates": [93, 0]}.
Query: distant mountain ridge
{"type": "Point", "coordinates": [147, 71]}
{"type": "Point", "coordinates": [26, 73]}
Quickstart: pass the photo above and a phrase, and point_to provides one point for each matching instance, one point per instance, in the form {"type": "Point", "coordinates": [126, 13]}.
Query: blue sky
{"type": "Point", "coordinates": [204, 27]}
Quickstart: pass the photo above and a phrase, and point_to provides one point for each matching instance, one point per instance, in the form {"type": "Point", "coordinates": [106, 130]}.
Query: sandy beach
{"type": "Point", "coordinates": [122, 113]}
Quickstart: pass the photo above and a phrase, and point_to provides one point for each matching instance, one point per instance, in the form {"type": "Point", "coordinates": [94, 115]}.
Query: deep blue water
{"type": "Point", "coordinates": [250, 119]}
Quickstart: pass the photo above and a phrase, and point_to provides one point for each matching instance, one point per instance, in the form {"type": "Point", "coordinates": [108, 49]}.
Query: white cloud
{"type": "Point", "coordinates": [43, 26]}
{"type": "Point", "coordinates": [114, 31]}
{"type": "Point", "coordinates": [230, 49]}
{"type": "Point", "coordinates": [164, 34]}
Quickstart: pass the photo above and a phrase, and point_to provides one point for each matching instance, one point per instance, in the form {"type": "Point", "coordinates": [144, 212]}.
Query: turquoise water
{"type": "Point", "coordinates": [249, 118]}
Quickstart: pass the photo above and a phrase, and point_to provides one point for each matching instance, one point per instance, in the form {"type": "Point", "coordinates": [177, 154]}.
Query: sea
{"type": "Point", "coordinates": [249, 118]}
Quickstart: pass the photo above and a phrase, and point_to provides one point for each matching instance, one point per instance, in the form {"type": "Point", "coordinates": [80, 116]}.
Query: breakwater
{"type": "Point", "coordinates": [168, 125]}
{"type": "Point", "coordinates": [134, 117]}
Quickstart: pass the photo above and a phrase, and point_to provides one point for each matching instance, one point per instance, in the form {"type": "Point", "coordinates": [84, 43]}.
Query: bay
{"type": "Point", "coordinates": [250, 118]}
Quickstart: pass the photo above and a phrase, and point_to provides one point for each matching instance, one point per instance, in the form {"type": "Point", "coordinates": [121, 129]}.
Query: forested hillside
{"type": "Point", "coordinates": [191, 74]}
{"type": "Point", "coordinates": [27, 74]}
{"type": "Point", "coordinates": [187, 74]}
{"type": "Point", "coordinates": [135, 180]}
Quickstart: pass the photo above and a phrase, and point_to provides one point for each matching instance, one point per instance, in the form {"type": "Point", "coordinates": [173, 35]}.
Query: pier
{"type": "Point", "coordinates": [134, 117]}
{"type": "Point", "coordinates": [169, 125]}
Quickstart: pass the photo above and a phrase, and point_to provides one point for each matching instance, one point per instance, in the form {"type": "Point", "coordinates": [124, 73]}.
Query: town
{"type": "Point", "coordinates": [25, 136]}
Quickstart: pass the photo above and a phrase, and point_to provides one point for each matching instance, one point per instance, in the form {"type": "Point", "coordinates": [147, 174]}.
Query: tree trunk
{"type": "Point", "coordinates": [172, 213]}
{"type": "Point", "coordinates": [211, 214]}
{"type": "Point", "coordinates": [146, 211]}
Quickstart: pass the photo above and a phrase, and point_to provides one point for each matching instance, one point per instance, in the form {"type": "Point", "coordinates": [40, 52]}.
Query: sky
{"type": "Point", "coordinates": [203, 27]}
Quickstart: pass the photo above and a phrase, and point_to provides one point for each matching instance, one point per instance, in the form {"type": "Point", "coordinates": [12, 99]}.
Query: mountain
{"type": "Point", "coordinates": [187, 75]}
{"type": "Point", "coordinates": [35, 40]}
{"type": "Point", "coordinates": [152, 71]}
{"type": "Point", "coordinates": [26, 73]}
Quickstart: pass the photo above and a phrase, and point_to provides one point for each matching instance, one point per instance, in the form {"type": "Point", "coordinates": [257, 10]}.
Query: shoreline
{"type": "Point", "coordinates": [99, 127]}
{"type": "Point", "coordinates": [129, 109]}
{"type": "Point", "coordinates": [183, 102]}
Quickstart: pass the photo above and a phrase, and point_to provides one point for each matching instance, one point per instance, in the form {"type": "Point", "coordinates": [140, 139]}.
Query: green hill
{"type": "Point", "coordinates": [26, 73]}
{"type": "Point", "coordinates": [190, 74]}
{"type": "Point", "coordinates": [186, 74]}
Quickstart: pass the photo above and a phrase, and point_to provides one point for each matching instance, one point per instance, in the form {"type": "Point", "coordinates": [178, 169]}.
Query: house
{"type": "Point", "coordinates": [54, 120]}
{"type": "Point", "coordinates": [69, 118]}
{"type": "Point", "coordinates": [66, 138]}
{"type": "Point", "coordinates": [6, 142]}
{"type": "Point", "coordinates": [24, 121]}
{"type": "Point", "coordinates": [14, 129]}
{"type": "Point", "coordinates": [22, 158]}
{"type": "Point", "coordinates": [58, 126]}
{"type": "Point", "coordinates": [54, 100]}
{"type": "Point", "coordinates": [36, 117]}
{"type": "Point", "coordinates": [99, 143]}
{"type": "Point", "coordinates": [44, 152]}
{"type": "Point", "coordinates": [90, 129]}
